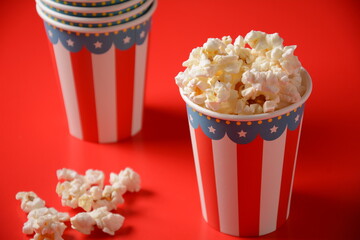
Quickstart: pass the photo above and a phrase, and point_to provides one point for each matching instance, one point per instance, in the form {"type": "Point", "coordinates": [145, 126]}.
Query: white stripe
{"type": "Point", "coordinates": [66, 76]}
{"type": "Point", "coordinates": [225, 165]}
{"type": "Point", "coordinates": [198, 172]}
{"type": "Point", "coordinates": [293, 173]}
{"type": "Point", "coordinates": [273, 158]}
{"type": "Point", "coordinates": [104, 75]}
{"type": "Point", "coordinates": [139, 86]}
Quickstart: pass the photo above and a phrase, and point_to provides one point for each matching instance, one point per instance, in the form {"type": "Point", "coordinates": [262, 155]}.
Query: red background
{"type": "Point", "coordinates": [34, 139]}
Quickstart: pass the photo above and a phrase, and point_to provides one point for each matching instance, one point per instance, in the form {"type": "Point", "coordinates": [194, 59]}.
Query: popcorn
{"type": "Point", "coordinates": [85, 191]}
{"type": "Point", "coordinates": [262, 41]}
{"type": "Point", "coordinates": [46, 223]}
{"type": "Point", "coordinates": [94, 177]}
{"type": "Point", "coordinates": [105, 220]}
{"type": "Point", "coordinates": [66, 174]}
{"type": "Point", "coordinates": [83, 222]}
{"type": "Point", "coordinates": [29, 201]}
{"type": "Point", "coordinates": [85, 201]}
{"type": "Point", "coordinates": [74, 191]}
{"type": "Point", "coordinates": [233, 79]}
{"type": "Point", "coordinates": [128, 178]}
{"type": "Point", "coordinates": [111, 197]}
{"type": "Point", "coordinates": [89, 192]}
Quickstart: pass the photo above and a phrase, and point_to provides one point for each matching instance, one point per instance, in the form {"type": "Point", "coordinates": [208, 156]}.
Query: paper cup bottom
{"type": "Point", "coordinates": [245, 170]}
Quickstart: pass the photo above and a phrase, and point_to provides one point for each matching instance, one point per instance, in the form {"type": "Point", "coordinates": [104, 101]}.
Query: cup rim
{"type": "Point", "coordinates": [97, 20]}
{"type": "Point", "coordinates": [232, 117]}
{"type": "Point", "coordinates": [88, 1]}
{"type": "Point", "coordinates": [119, 27]}
{"type": "Point", "coordinates": [111, 8]}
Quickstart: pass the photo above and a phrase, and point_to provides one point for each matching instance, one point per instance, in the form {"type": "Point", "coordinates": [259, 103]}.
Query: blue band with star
{"type": "Point", "coordinates": [243, 132]}
{"type": "Point", "coordinates": [99, 42]}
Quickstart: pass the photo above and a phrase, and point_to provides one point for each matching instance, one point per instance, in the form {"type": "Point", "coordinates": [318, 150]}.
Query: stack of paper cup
{"type": "Point", "coordinates": [83, 9]}
{"type": "Point", "coordinates": [95, 17]}
{"type": "Point", "coordinates": [100, 52]}
{"type": "Point", "coordinates": [245, 165]}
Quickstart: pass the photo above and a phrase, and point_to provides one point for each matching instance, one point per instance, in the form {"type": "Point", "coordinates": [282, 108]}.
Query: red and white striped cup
{"type": "Point", "coordinates": [102, 76]}
{"type": "Point", "coordinates": [245, 165]}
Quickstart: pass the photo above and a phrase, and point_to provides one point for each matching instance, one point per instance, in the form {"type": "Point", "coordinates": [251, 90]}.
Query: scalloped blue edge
{"type": "Point", "coordinates": [136, 35]}
{"type": "Point", "coordinates": [268, 129]}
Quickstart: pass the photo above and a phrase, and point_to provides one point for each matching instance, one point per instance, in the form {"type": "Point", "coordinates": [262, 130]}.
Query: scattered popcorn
{"type": "Point", "coordinates": [74, 191]}
{"type": "Point", "coordinates": [233, 79]}
{"type": "Point", "coordinates": [89, 192]}
{"type": "Point", "coordinates": [105, 220]}
{"type": "Point", "coordinates": [85, 191]}
{"type": "Point", "coordinates": [46, 223]}
{"type": "Point", "coordinates": [128, 178]}
{"type": "Point", "coordinates": [29, 201]}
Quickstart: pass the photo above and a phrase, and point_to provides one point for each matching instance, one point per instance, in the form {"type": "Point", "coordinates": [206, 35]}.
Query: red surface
{"type": "Point", "coordinates": [34, 139]}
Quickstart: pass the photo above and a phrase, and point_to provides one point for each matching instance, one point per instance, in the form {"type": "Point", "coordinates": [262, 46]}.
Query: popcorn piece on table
{"type": "Point", "coordinates": [105, 220]}
{"type": "Point", "coordinates": [111, 197]}
{"type": "Point", "coordinates": [95, 177]}
{"type": "Point", "coordinates": [91, 177]}
{"type": "Point", "coordinates": [66, 174]}
{"type": "Point", "coordinates": [128, 178]}
{"type": "Point", "coordinates": [29, 201]}
{"type": "Point", "coordinates": [70, 191]}
{"type": "Point", "coordinates": [88, 192]}
{"type": "Point", "coordinates": [76, 191]}
{"type": "Point", "coordinates": [83, 222]}
{"type": "Point", "coordinates": [46, 223]}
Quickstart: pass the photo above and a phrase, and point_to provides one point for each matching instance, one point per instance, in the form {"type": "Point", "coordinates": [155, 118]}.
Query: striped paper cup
{"type": "Point", "coordinates": [107, 11]}
{"type": "Point", "coordinates": [102, 76]}
{"type": "Point", "coordinates": [245, 165]}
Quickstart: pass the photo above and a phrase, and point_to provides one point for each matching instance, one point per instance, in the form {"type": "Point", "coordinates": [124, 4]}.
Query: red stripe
{"type": "Point", "coordinates": [204, 147]}
{"type": "Point", "coordinates": [83, 77]}
{"type": "Point", "coordinates": [125, 69]}
{"type": "Point", "coordinates": [53, 61]}
{"type": "Point", "coordinates": [249, 186]}
{"type": "Point", "coordinates": [288, 166]}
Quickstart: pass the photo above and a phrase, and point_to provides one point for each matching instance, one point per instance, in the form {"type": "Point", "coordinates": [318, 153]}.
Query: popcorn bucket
{"type": "Point", "coordinates": [102, 76]}
{"type": "Point", "coordinates": [245, 165]}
